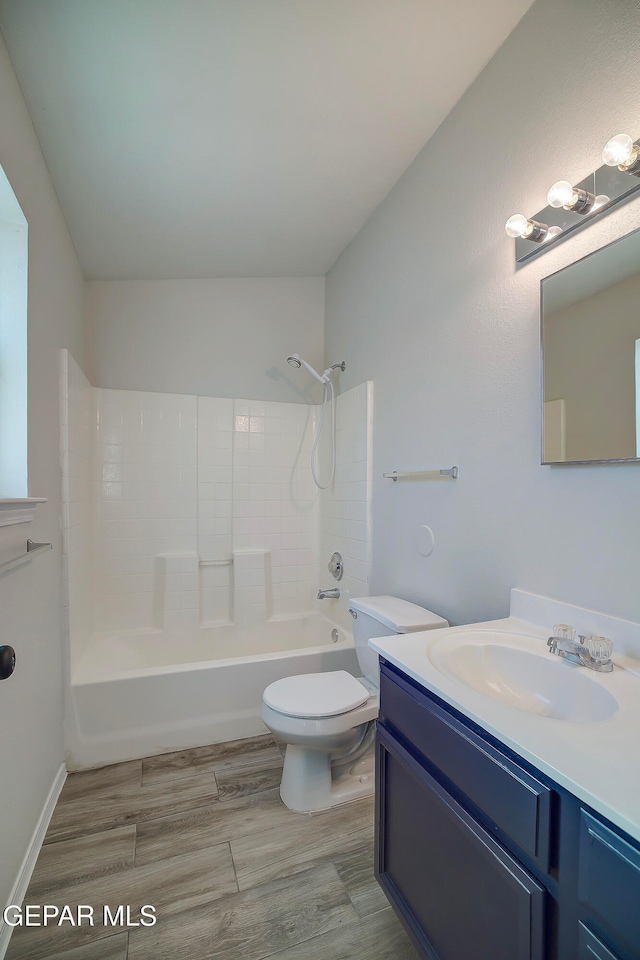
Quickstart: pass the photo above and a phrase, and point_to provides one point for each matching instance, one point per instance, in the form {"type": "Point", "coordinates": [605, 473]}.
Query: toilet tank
{"type": "Point", "coordinates": [383, 617]}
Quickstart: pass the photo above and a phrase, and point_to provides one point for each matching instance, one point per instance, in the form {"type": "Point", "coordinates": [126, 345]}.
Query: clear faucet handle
{"type": "Point", "coordinates": [600, 648]}
{"type": "Point", "coordinates": [564, 631]}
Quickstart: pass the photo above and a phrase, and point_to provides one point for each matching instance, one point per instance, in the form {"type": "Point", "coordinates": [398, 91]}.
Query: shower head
{"type": "Point", "coordinates": [295, 360]}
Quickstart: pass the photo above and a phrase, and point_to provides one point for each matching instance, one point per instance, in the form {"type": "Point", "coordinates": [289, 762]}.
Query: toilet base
{"type": "Point", "coordinates": [310, 781]}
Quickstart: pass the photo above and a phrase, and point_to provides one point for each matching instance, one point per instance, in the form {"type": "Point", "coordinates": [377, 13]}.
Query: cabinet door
{"type": "Point", "coordinates": [609, 884]}
{"type": "Point", "coordinates": [502, 793]}
{"type": "Point", "coordinates": [590, 948]}
{"type": "Point", "coordinates": [462, 896]}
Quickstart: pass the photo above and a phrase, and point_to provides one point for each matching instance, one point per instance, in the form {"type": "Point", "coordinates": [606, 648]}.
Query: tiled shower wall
{"type": "Point", "coordinates": [346, 507]}
{"type": "Point", "coordinates": [145, 503]}
{"type": "Point", "coordinates": [226, 480]}
{"type": "Point", "coordinates": [203, 510]}
{"type": "Point", "coordinates": [76, 439]}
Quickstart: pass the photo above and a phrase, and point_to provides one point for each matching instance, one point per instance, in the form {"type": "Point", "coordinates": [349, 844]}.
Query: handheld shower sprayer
{"type": "Point", "coordinates": [295, 360]}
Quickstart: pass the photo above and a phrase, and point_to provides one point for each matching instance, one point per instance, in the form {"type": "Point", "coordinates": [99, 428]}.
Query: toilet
{"type": "Point", "coordinates": [327, 720]}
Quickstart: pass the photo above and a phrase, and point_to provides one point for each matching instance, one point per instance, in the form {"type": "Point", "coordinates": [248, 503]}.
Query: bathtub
{"type": "Point", "coordinates": [148, 692]}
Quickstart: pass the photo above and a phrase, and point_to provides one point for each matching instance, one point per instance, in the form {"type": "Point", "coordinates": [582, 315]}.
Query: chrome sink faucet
{"type": "Point", "coordinates": [333, 594]}
{"type": "Point", "coordinates": [589, 651]}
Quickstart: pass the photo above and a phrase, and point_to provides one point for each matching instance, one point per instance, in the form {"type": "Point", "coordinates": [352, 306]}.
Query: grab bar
{"type": "Point", "coordinates": [451, 474]}
{"type": "Point", "coordinates": [32, 549]}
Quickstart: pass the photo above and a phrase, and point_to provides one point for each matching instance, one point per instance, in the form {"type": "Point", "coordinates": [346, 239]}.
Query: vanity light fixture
{"type": "Point", "coordinates": [519, 226]}
{"type": "Point", "coordinates": [572, 206]}
{"type": "Point", "coordinates": [563, 194]}
{"type": "Point", "coordinates": [621, 152]}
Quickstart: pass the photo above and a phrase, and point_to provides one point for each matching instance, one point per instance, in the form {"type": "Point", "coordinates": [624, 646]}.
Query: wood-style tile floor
{"type": "Point", "coordinates": [203, 836]}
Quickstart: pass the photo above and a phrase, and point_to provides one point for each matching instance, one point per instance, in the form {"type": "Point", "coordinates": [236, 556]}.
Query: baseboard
{"type": "Point", "coordinates": [24, 875]}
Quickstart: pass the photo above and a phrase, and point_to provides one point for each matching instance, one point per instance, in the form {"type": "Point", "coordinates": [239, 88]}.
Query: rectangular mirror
{"type": "Point", "coordinates": [590, 330]}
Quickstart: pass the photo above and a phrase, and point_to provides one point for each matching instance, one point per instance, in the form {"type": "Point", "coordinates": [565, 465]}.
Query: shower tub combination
{"type": "Point", "coordinates": [149, 692]}
{"type": "Point", "coordinates": [154, 662]}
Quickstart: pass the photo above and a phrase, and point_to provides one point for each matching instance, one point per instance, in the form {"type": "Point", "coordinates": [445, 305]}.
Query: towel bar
{"type": "Point", "coordinates": [451, 474]}
{"type": "Point", "coordinates": [32, 549]}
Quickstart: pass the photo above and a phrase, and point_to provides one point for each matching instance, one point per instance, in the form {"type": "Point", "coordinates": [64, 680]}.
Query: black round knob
{"type": "Point", "coordinates": [7, 662]}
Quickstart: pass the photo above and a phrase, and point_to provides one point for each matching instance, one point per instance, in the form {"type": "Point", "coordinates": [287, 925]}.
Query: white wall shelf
{"type": "Point", "coordinates": [18, 509]}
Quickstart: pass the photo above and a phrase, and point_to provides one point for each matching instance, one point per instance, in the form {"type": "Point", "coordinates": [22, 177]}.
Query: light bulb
{"type": "Point", "coordinates": [519, 226]}
{"type": "Point", "coordinates": [516, 226]}
{"type": "Point", "coordinates": [623, 153]}
{"type": "Point", "coordinates": [618, 150]}
{"type": "Point", "coordinates": [561, 194]}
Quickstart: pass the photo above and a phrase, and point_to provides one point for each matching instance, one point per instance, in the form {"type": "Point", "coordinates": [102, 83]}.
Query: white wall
{"type": "Point", "coordinates": [426, 301]}
{"type": "Point", "coordinates": [215, 338]}
{"type": "Point", "coordinates": [31, 702]}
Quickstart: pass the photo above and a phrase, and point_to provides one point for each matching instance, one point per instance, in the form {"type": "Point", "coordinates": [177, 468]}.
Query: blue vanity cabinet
{"type": "Point", "coordinates": [590, 948]}
{"type": "Point", "coordinates": [511, 801]}
{"type": "Point", "coordinates": [608, 891]}
{"type": "Point", "coordinates": [482, 856]}
{"type": "Point", "coordinates": [455, 886]}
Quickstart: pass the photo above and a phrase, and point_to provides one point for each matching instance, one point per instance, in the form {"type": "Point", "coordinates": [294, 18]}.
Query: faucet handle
{"type": "Point", "coordinates": [600, 648]}
{"type": "Point", "coordinates": [564, 631]}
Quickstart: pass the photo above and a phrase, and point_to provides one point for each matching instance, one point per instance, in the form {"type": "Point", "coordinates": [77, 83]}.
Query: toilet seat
{"type": "Point", "coordinates": [316, 694]}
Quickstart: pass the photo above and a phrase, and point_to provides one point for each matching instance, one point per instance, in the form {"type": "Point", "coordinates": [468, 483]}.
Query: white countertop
{"type": "Point", "coordinates": [599, 762]}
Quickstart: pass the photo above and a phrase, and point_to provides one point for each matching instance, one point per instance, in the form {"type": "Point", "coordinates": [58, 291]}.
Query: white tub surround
{"type": "Point", "coordinates": [154, 484]}
{"type": "Point", "coordinates": [79, 543]}
{"type": "Point", "coordinates": [596, 761]}
{"type": "Point", "coordinates": [176, 600]}
{"type": "Point", "coordinates": [345, 509]}
{"type": "Point", "coordinates": [252, 586]}
{"type": "Point", "coordinates": [148, 692]}
{"type": "Point", "coordinates": [194, 543]}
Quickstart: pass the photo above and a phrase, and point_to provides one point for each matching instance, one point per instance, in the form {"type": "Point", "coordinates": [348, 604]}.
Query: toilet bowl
{"type": "Point", "coordinates": [327, 720]}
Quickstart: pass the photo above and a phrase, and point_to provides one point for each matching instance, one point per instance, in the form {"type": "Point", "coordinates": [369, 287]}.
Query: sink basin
{"type": "Point", "coordinates": [537, 683]}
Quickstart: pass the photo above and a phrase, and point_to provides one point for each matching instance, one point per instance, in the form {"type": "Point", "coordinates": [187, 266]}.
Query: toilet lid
{"type": "Point", "coordinates": [316, 694]}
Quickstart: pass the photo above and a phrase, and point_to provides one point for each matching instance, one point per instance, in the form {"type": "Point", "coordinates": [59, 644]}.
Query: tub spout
{"type": "Point", "coordinates": [329, 594]}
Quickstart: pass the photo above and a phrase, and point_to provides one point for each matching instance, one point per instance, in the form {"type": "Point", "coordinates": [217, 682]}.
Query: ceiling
{"type": "Point", "coordinates": [219, 138]}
